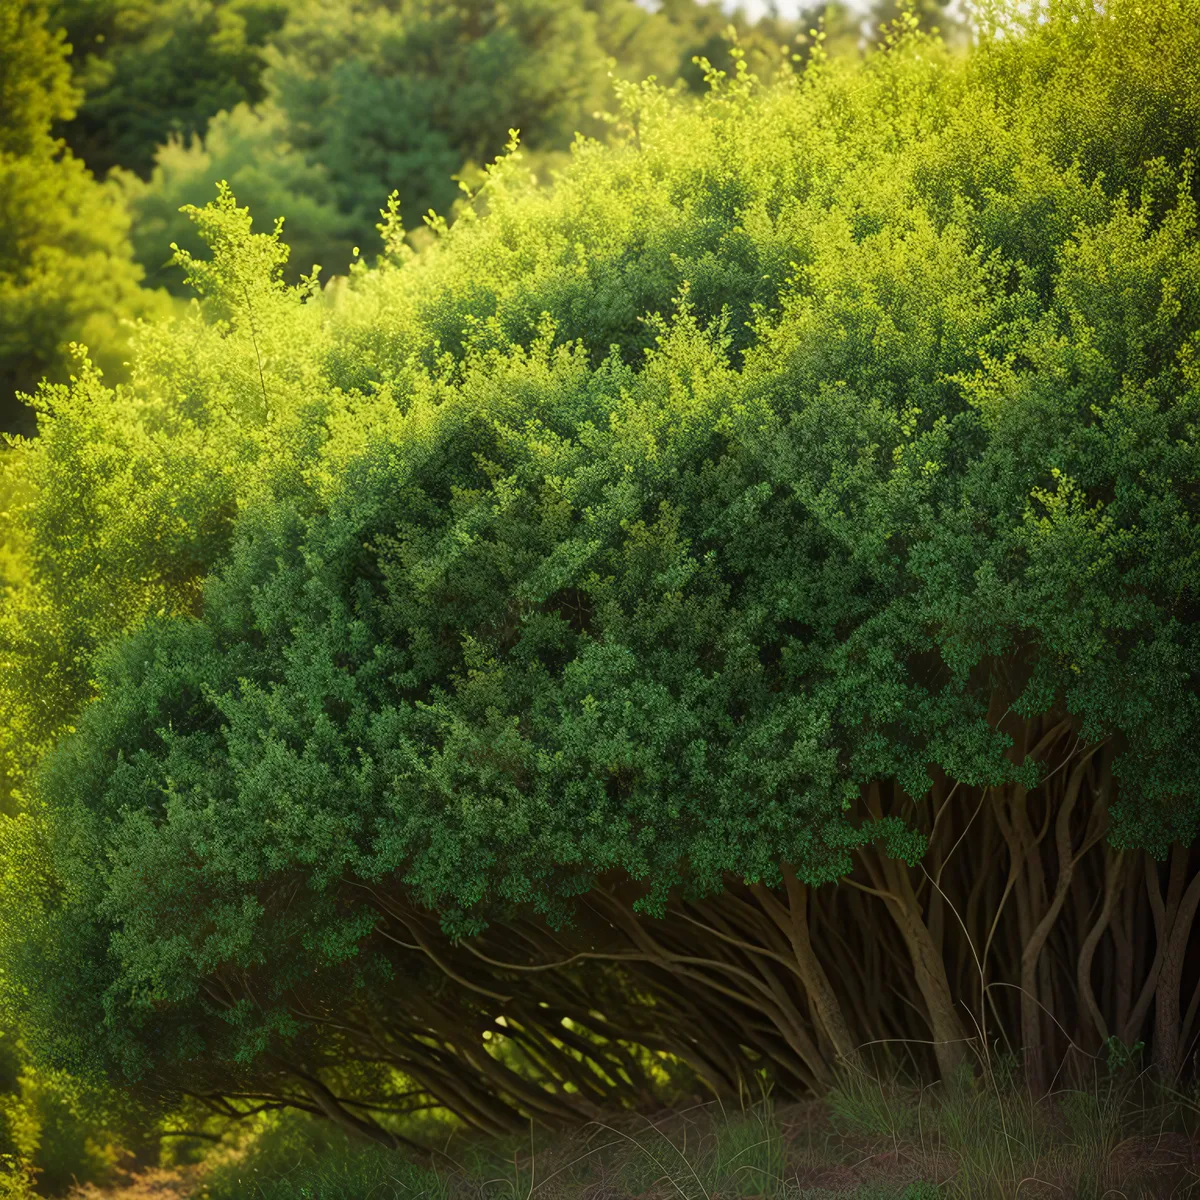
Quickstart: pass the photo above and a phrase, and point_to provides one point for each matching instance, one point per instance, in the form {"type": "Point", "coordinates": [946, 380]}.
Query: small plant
{"type": "Point", "coordinates": [921, 1191]}
{"type": "Point", "coordinates": [1120, 1056]}
{"type": "Point", "coordinates": [748, 1158]}
{"type": "Point", "coordinates": [859, 1103]}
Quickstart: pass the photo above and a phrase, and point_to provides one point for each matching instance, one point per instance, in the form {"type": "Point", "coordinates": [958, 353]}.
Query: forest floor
{"type": "Point", "coordinates": [795, 1152]}
{"type": "Point", "coordinates": [808, 1158]}
{"type": "Point", "coordinates": [154, 1183]}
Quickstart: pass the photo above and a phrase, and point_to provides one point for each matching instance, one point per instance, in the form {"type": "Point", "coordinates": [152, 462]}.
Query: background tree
{"type": "Point", "coordinates": [153, 69]}
{"type": "Point", "coordinates": [247, 147]}
{"type": "Point", "coordinates": [35, 87]}
{"type": "Point", "coordinates": [66, 272]}
{"type": "Point", "coordinates": [366, 98]}
{"type": "Point", "coordinates": [697, 30]}
{"type": "Point", "coordinates": [930, 15]}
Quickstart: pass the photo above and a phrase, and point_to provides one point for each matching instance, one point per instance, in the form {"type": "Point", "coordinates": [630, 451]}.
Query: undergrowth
{"type": "Point", "coordinates": [1118, 1136]}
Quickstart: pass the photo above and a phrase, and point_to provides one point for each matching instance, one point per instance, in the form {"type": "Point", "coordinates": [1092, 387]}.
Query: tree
{"type": "Point", "coordinates": [664, 617]}
{"type": "Point", "coordinates": [410, 95]}
{"type": "Point", "coordinates": [697, 29]}
{"type": "Point", "coordinates": [930, 15]}
{"type": "Point", "coordinates": [247, 148]}
{"type": "Point", "coordinates": [35, 90]}
{"type": "Point", "coordinates": [150, 70]}
{"type": "Point", "coordinates": [65, 268]}
{"type": "Point", "coordinates": [414, 96]}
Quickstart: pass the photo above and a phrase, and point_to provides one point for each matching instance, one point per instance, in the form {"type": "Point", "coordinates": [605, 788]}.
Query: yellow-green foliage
{"type": "Point", "coordinates": [248, 148]}
{"type": "Point", "coordinates": [12, 494]}
{"type": "Point", "coordinates": [52, 1132]}
{"type": "Point", "coordinates": [362, 98]}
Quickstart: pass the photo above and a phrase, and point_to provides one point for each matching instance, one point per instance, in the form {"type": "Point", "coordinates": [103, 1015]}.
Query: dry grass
{"type": "Point", "coordinates": [867, 1140]}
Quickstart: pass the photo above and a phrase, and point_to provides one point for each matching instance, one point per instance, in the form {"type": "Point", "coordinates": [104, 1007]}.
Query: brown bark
{"type": "Point", "coordinates": [1031, 1017]}
{"type": "Point", "coordinates": [1168, 1036]}
{"type": "Point", "coordinates": [792, 920]}
{"type": "Point", "coordinates": [893, 883]}
{"type": "Point", "coordinates": [1163, 912]}
{"type": "Point", "coordinates": [1114, 869]}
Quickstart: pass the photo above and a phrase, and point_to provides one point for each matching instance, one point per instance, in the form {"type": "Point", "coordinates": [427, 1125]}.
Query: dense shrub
{"type": "Point", "coordinates": [613, 649]}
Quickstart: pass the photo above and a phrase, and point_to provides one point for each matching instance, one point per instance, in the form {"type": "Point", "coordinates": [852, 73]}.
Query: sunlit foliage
{"type": "Point", "coordinates": [364, 98]}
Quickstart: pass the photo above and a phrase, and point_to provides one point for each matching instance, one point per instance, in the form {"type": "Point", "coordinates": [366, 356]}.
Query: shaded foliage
{"type": "Point", "coordinates": [363, 98]}
{"type": "Point", "coordinates": [65, 268]}
{"type": "Point", "coordinates": [153, 69]}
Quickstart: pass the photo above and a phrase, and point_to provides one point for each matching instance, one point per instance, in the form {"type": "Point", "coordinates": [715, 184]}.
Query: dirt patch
{"type": "Point", "coordinates": [154, 1183]}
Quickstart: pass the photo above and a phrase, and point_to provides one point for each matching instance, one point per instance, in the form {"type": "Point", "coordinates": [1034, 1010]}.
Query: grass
{"type": "Point", "coordinates": [1119, 1138]}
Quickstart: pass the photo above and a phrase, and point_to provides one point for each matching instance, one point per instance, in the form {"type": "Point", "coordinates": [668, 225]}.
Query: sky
{"type": "Point", "coordinates": [788, 9]}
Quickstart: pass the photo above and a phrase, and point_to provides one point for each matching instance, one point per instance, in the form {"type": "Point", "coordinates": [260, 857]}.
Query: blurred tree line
{"type": "Point", "coordinates": [116, 113]}
{"type": "Point", "coordinates": [66, 266]}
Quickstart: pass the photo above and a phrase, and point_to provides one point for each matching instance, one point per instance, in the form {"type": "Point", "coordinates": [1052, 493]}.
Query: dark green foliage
{"type": "Point", "coordinates": [648, 528]}
{"type": "Point", "coordinates": [150, 69]}
{"type": "Point", "coordinates": [65, 268]}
